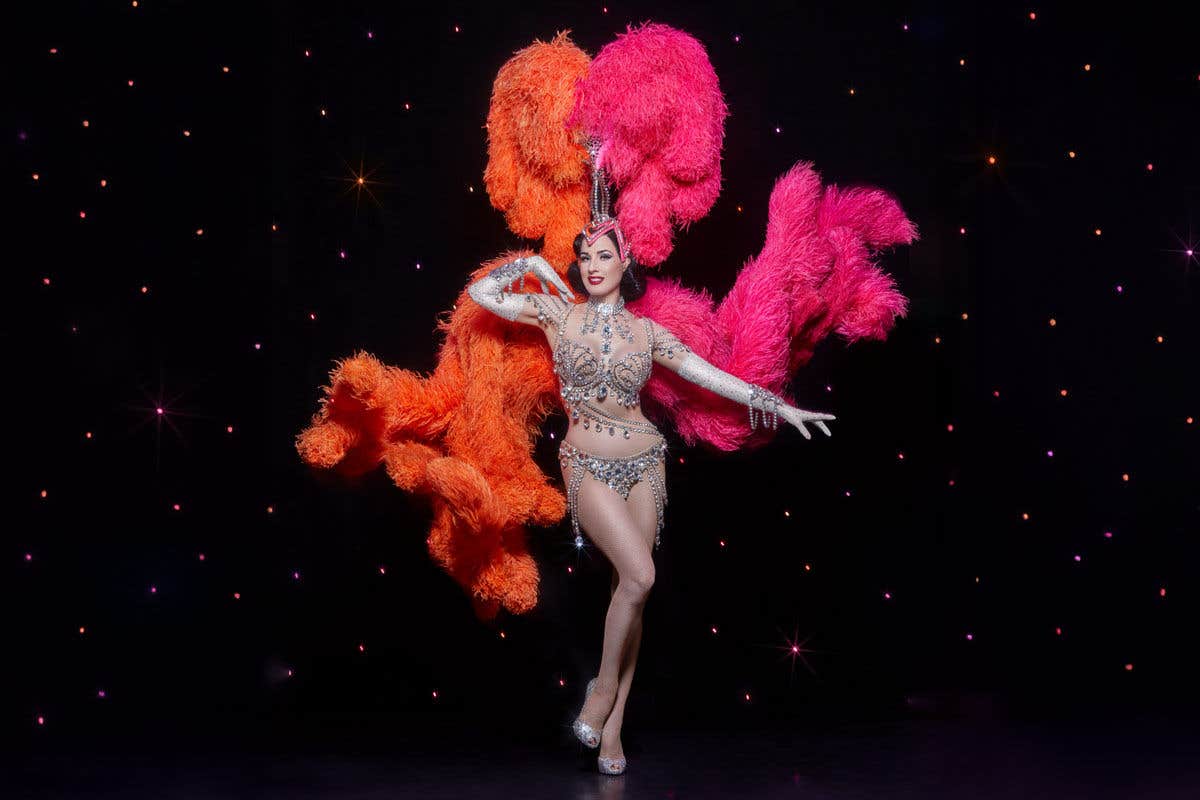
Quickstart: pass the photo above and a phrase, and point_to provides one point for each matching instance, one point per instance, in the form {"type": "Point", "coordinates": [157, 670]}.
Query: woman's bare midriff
{"type": "Point", "coordinates": [614, 444]}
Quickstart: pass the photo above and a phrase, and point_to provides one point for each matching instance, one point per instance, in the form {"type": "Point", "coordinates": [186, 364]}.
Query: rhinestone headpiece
{"type": "Point", "coordinates": [601, 222]}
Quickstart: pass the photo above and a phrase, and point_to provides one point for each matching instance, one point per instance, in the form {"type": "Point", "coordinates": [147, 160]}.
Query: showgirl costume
{"type": "Point", "coordinates": [609, 378]}
{"type": "Point", "coordinates": [462, 436]}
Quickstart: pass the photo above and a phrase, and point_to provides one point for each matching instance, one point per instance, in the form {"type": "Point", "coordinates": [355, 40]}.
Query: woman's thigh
{"type": "Point", "coordinates": [617, 526]}
{"type": "Point", "coordinates": [642, 505]}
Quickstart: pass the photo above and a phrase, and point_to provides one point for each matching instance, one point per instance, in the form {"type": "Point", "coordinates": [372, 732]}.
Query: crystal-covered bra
{"type": "Point", "coordinates": [586, 375]}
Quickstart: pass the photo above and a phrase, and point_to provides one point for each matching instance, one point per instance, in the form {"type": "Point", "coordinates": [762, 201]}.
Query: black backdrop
{"type": "Point", "coordinates": [909, 593]}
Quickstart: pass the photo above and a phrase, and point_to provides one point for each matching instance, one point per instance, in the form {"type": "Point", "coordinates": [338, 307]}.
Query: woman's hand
{"type": "Point", "coordinates": [542, 270]}
{"type": "Point", "coordinates": [798, 416]}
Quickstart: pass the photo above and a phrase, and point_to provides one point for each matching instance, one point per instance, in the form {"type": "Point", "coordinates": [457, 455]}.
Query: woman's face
{"type": "Point", "coordinates": [600, 269]}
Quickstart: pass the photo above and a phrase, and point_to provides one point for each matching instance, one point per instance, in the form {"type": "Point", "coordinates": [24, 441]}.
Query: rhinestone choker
{"type": "Point", "coordinates": [607, 309]}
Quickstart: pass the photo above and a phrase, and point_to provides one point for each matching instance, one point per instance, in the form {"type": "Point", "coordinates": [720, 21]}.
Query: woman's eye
{"type": "Point", "coordinates": [605, 257]}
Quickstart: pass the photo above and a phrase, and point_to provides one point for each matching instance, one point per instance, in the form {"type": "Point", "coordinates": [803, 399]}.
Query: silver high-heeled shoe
{"type": "Point", "coordinates": [584, 732]}
{"type": "Point", "coordinates": [611, 766]}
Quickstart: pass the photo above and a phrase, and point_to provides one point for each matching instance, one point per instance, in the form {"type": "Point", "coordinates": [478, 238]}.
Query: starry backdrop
{"type": "Point", "coordinates": [1005, 520]}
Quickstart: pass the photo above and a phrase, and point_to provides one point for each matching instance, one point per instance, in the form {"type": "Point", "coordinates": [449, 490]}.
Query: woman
{"type": "Point", "coordinates": [612, 457]}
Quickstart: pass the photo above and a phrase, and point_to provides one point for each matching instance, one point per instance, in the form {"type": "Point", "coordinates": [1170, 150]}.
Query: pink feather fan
{"type": "Point", "coordinates": [653, 99]}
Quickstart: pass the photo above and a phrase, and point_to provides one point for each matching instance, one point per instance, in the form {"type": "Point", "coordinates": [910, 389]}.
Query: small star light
{"type": "Point", "coordinates": [970, 637]}
{"type": "Point", "coordinates": [795, 649]}
{"type": "Point", "coordinates": [225, 70]}
{"type": "Point", "coordinates": [737, 38]}
{"type": "Point", "coordinates": [887, 595]}
{"type": "Point", "coordinates": [1070, 154]}
{"type": "Point", "coordinates": [457, 29]}
{"type": "Point", "coordinates": [778, 129]}
{"type": "Point", "coordinates": [370, 34]}
{"type": "Point", "coordinates": [1050, 453]}
{"type": "Point", "coordinates": [359, 181]}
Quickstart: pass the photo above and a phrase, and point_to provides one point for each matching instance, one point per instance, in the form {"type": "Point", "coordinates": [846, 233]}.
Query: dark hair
{"type": "Point", "coordinates": [633, 282]}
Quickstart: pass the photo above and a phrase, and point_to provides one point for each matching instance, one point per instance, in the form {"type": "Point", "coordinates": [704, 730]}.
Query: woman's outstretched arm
{"type": "Point", "coordinates": [676, 356]}
{"type": "Point", "coordinates": [492, 292]}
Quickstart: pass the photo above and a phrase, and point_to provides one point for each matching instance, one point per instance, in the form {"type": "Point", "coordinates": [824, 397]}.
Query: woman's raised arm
{"type": "Point", "coordinates": [492, 292]}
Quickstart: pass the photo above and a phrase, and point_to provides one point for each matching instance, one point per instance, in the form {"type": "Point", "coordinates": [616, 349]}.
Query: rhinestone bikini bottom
{"type": "Point", "coordinates": [621, 474]}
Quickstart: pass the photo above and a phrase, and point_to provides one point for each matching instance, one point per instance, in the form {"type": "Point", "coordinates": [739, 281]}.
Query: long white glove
{"type": "Point", "coordinates": [492, 290]}
{"type": "Point", "coordinates": [769, 405]}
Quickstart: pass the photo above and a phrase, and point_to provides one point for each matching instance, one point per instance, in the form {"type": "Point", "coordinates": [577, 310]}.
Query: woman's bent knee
{"type": "Point", "coordinates": [637, 583]}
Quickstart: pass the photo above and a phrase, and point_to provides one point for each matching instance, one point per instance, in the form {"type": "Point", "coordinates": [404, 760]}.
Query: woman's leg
{"type": "Point", "coordinates": [610, 523]}
{"type": "Point", "coordinates": [644, 509]}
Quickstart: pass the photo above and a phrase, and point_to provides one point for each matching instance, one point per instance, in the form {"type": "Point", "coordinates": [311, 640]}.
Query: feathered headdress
{"type": "Point", "coordinates": [601, 223]}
